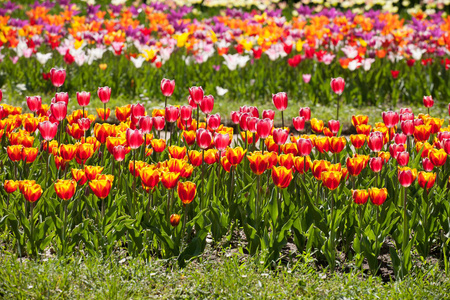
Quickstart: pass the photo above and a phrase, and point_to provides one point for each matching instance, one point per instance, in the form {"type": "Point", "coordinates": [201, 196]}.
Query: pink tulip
{"type": "Point", "coordinates": [390, 118]}
{"type": "Point", "coordinates": [427, 164]}
{"type": "Point", "coordinates": [375, 141]}
{"type": "Point", "coordinates": [172, 113]}
{"type": "Point", "coordinates": [159, 123]}
{"type": "Point", "coordinates": [84, 123]}
{"type": "Point", "coordinates": [334, 126]}
{"type": "Point", "coordinates": [62, 97]}
{"type": "Point", "coordinates": [146, 124]}
{"type": "Point", "coordinates": [243, 121]}
{"type": "Point", "coordinates": [196, 93]}
{"type": "Point", "coordinates": [304, 146]}
{"type": "Point", "coordinates": [338, 85]}
{"type": "Point", "coordinates": [221, 141]}
{"type": "Point", "coordinates": [135, 138]}
{"type": "Point", "coordinates": [428, 101]}
{"type": "Point", "coordinates": [263, 127]}
{"type": "Point", "coordinates": [280, 136]}
{"type": "Point", "coordinates": [186, 112]}
{"type": "Point", "coordinates": [104, 93]}
{"type": "Point", "coordinates": [268, 113]}
{"type": "Point", "coordinates": [203, 138]}
{"type": "Point", "coordinates": [299, 123]}
{"type": "Point", "coordinates": [235, 115]}
{"type": "Point", "coordinates": [57, 76]}
{"type": "Point", "coordinates": [251, 124]}
{"type": "Point", "coordinates": [213, 121]}
{"type": "Point", "coordinates": [167, 87]}
{"type": "Point", "coordinates": [305, 112]}
{"type": "Point", "coordinates": [119, 152]}
{"type": "Point", "coordinates": [48, 130]}
{"type": "Point", "coordinates": [280, 100]}
{"type": "Point", "coordinates": [207, 104]}
{"type": "Point", "coordinates": [403, 158]}
{"type": "Point", "coordinates": [376, 164]}
{"type": "Point", "coordinates": [83, 98]}
{"type": "Point", "coordinates": [59, 110]}
{"type": "Point", "coordinates": [34, 103]}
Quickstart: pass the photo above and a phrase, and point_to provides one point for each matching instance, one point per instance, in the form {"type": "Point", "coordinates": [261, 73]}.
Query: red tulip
{"type": "Point", "coordinates": [48, 130]}
{"type": "Point", "coordinates": [299, 123]}
{"type": "Point", "coordinates": [196, 93]}
{"type": "Point", "coordinates": [192, 103]}
{"type": "Point", "coordinates": [394, 74]}
{"type": "Point", "coordinates": [251, 124]}
{"type": "Point", "coordinates": [167, 87]}
{"type": "Point", "coordinates": [253, 110]}
{"type": "Point", "coordinates": [59, 110]}
{"type": "Point", "coordinates": [243, 121]}
{"type": "Point", "coordinates": [235, 116]}
{"type": "Point", "coordinates": [280, 100]}
{"type": "Point", "coordinates": [394, 149]}
{"type": "Point", "coordinates": [186, 112]}
{"type": "Point", "coordinates": [400, 138]}
{"type": "Point", "coordinates": [137, 111]}
{"type": "Point", "coordinates": [213, 121]}
{"type": "Point", "coordinates": [221, 141]}
{"type": "Point", "coordinates": [269, 114]}
{"type": "Point", "coordinates": [159, 123]}
{"type": "Point", "coordinates": [418, 122]}
{"type": "Point", "coordinates": [442, 135]}
{"type": "Point", "coordinates": [57, 76]}
{"type": "Point", "coordinates": [427, 164]}
{"type": "Point", "coordinates": [146, 124]}
{"type": "Point", "coordinates": [34, 103]}
{"type": "Point", "coordinates": [84, 123]}
{"type": "Point", "coordinates": [263, 127]}
{"type": "Point", "coordinates": [304, 146]}
{"type": "Point", "coordinates": [406, 116]}
{"type": "Point", "coordinates": [207, 104]}
{"type": "Point", "coordinates": [135, 138]}
{"type": "Point", "coordinates": [375, 141]}
{"type": "Point", "coordinates": [376, 164]}
{"type": "Point", "coordinates": [338, 85]}
{"type": "Point", "coordinates": [334, 126]}
{"type": "Point", "coordinates": [390, 118]}
{"type": "Point", "coordinates": [408, 127]}
{"type": "Point", "coordinates": [280, 136]}
{"type": "Point", "coordinates": [104, 93]}
{"type": "Point", "coordinates": [119, 152]}
{"type": "Point", "coordinates": [62, 97]}
{"type": "Point", "coordinates": [402, 158]}
{"type": "Point", "coordinates": [83, 98]}
{"type": "Point", "coordinates": [305, 112]}
{"type": "Point", "coordinates": [405, 177]}
{"type": "Point", "coordinates": [204, 138]}
{"type": "Point", "coordinates": [428, 101]}
{"type": "Point", "coordinates": [172, 113]}
{"type": "Point", "coordinates": [405, 110]}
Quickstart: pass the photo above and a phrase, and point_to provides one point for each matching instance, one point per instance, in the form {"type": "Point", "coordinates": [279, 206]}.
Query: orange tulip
{"type": "Point", "coordinates": [426, 148]}
{"type": "Point", "coordinates": [150, 177]}
{"type": "Point", "coordinates": [158, 145]}
{"type": "Point", "coordinates": [24, 183]}
{"type": "Point", "coordinates": [422, 132]}
{"type": "Point", "coordinates": [270, 144]}
{"type": "Point", "coordinates": [30, 124]}
{"type": "Point", "coordinates": [286, 160]}
{"type": "Point", "coordinates": [258, 162]}
{"type": "Point", "coordinates": [337, 144]}
{"type": "Point", "coordinates": [317, 125]}
{"type": "Point", "coordinates": [289, 148]}
{"type": "Point", "coordinates": [92, 171]}
{"type": "Point", "coordinates": [139, 166]}
{"type": "Point", "coordinates": [195, 158]}
{"type": "Point", "coordinates": [378, 196]}
{"type": "Point", "coordinates": [355, 165]}
{"type": "Point", "coordinates": [186, 191]}
{"type": "Point", "coordinates": [32, 192]}
{"type": "Point", "coordinates": [170, 179]}
{"type": "Point", "coordinates": [235, 155]}
{"type": "Point", "coordinates": [437, 157]}
{"type": "Point", "coordinates": [68, 151]}
{"type": "Point", "coordinates": [123, 112]}
{"type": "Point", "coordinates": [75, 131]}
{"type": "Point", "coordinates": [102, 114]}
{"type": "Point", "coordinates": [322, 144]}
{"type": "Point", "coordinates": [10, 186]}
{"type": "Point", "coordinates": [302, 164]}
{"type": "Point", "coordinates": [360, 120]}
{"type": "Point", "coordinates": [211, 156]}
{"type": "Point", "coordinates": [435, 124]}
{"type": "Point", "coordinates": [111, 142]}
{"type": "Point", "coordinates": [320, 166]}
{"type": "Point", "coordinates": [426, 179]}
{"type": "Point", "coordinates": [83, 152]}
{"type": "Point", "coordinates": [15, 152]}
{"type": "Point", "coordinates": [186, 172]}
{"type": "Point", "coordinates": [358, 140]}
{"type": "Point", "coordinates": [105, 177]}
{"type": "Point", "coordinates": [79, 176]}
{"type": "Point", "coordinates": [225, 163]}
{"type": "Point", "coordinates": [360, 196]}
{"type": "Point", "coordinates": [364, 129]}
{"type": "Point", "coordinates": [281, 176]}
{"type": "Point", "coordinates": [100, 188]}
{"type": "Point", "coordinates": [177, 152]}
{"type": "Point", "coordinates": [189, 137]}
{"type": "Point", "coordinates": [65, 189]}
{"type": "Point", "coordinates": [174, 220]}
{"type": "Point", "coordinates": [102, 131]}
{"type": "Point", "coordinates": [29, 154]}
{"type": "Point", "coordinates": [331, 179]}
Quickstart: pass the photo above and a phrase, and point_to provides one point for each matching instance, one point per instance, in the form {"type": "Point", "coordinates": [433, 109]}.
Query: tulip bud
{"type": "Point", "coordinates": [174, 220]}
{"type": "Point", "coordinates": [207, 104]}
{"type": "Point", "coordinates": [405, 177]}
{"type": "Point", "coordinates": [57, 76]}
{"type": "Point", "coordinates": [34, 103]}
{"type": "Point", "coordinates": [304, 146]}
{"type": "Point", "coordinates": [146, 124]}
{"type": "Point", "coordinates": [299, 123]}
{"type": "Point", "coordinates": [337, 85]}
{"type": "Point", "coordinates": [280, 101]}
{"type": "Point", "coordinates": [204, 138]}
{"type": "Point", "coordinates": [135, 138]}
{"type": "Point", "coordinates": [235, 116]}
{"type": "Point", "coordinates": [305, 112]}
{"type": "Point", "coordinates": [376, 164]}
{"type": "Point", "coordinates": [213, 121]}
{"type": "Point", "coordinates": [196, 94]}
{"type": "Point", "coordinates": [263, 127]}
{"type": "Point", "coordinates": [186, 112]}
{"type": "Point", "coordinates": [104, 93]}
{"type": "Point", "coordinates": [407, 127]}
{"type": "Point", "coordinates": [83, 98]}
{"type": "Point", "coordinates": [280, 136]}
{"type": "Point", "coordinates": [402, 158]}
{"type": "Point", "coordinates": [428, 101]}
{"type": "Point", "coordinates": [167, 87]}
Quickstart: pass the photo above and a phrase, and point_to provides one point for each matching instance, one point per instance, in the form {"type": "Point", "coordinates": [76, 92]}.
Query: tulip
{"type": "Point", "coordinates": [83, 98]}
{"type": "Point", "coordinates": [65, 189]}
{"type": "Point", "coordinates": [334, 126]}
{"type": "Point", "coordinates": [34, 103]}
{"type": "Point", "coordinates": [59, 110]}
{"type": "Point", "coordinates": [394, 149]}
{"type": "Point", "coordinates": [360, 197]}
{"type": "Point", "coordinates": [251, 124]}
{"type": "Point", "coordinates": [186, 191]}
{"type": "Point", "coordinates": [268, 114]}
{"type": "Point", "coordinates": [92, 171]}
{"type": "Point", "coordinates": [377, 196]}
{"type": "Point", "coordinates": [355, 165]}
{"type": "Point", "coordinates": [302, 164]}
{"type": "Point", "coordinates": [207, 104]}
{"type": "Point", "coordinates": [174, 220]}
{"type": "Point", "coordinates": [337, 144]}
{"type": "Point", "coordinates": [280, 100]}
{"type": "Point", "coordinates": [390, 118]}
{"type": "Point", "coordinates": [119, 152]}
{"type": "Point", "coordinates": [243, 118]}
{"type": "Point", "coordinates": [320, 166]}
{"type": "Point", "coordinates": [280, 136]}
{"type": "Point", "coordinates": [15, 152]}
{"type": "Point", "coordinates": [159, 123]}
{"type": "Point", "coordinates": [196, 94]}
{"type": "Point", "coordinates": [135, 138]}
{"type": "Point", "coordinates": [317, 125]}
{"type": "Point", "coordinates": [364, 129]}
{"type": "Point", "coordinates": [428, 102]}
{"type": "Point", "coordinates": [84, 151]}
{"type": "Point", "coordinates": [427, 164]}
{"type": "Point", "coordinates": [204, 138]}
{"type": "Point", "coordinates": [281, 176]}
{"type": "Point", "coordinates": [299, 123]}
{"type": "Point", "coordinates": [104, 94]}
{"type": "Point", "coordinates": [437, 157]}
{"type": "Point", "coordinates": [258, 162]}
{"type": "Point", "coordinates": [61, 97]}
{"type": "Point", "coordinates": [405, 177]}
{"type": "Point", "coordinates": [409, 116]}
{"type": "Point", "coordinates": [331, 179]}
{"type": "Point", "coordinates": [426, 179]}
{"type": "Point", "coordinates": [375, 142]}
{"type": "Point", "coordinates": [235, 155]}
{"type": "Point", "coordinates": [32, 192]}
{"type": "Point", "coordinates": [221, 141]}
{"type": "Point", "coordinates": [305, 112]}
{"type": "Point", "coordinates": [360, 120]}
{"type": "Point", "coordinates": [422, 132]}
{"type": "Point", "coordinates": [158, 145]}
{"type": "Point", "coordinates": [171, 113]}
{"type": "Point", "coordinates": [57, 76]}
{"type": "Point", "coordinates": [48, 130]}
{"type": "Point", "coordinates": [67, 151]}
{"type": "Point", "coordinates": [170, 179]}
{"type": "Point", "coordinates": [263, 128]}
{"type": "Point", "coordinates": [337, 85]}
{"type": "Point", "coordinates": [167, 87]}
{"type": "Point", "coordinates": [235, 117]}
{"type": "Point", "coordinates": [304, 146]}
{"type": "Point", "coordinates": [358, 140]}
{"type": "Point", "coordinates": [402, 158]}
{"type": "Point", "coordinates": [10, 186]}
{"type": "Point", "coordinates": [100, 188]}
{"type": "Point", "coordinates": [213, 121]}
{"type": "Point", "coordinates": [150, 177]}
{"type": "Point", "coordinates": [186, 112]}
{"type": "Point", "coordinates": [376, 164]}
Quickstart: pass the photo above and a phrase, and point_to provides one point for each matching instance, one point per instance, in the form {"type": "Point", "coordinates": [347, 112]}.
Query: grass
{"type": "Point", "coordinates": [230, 275]}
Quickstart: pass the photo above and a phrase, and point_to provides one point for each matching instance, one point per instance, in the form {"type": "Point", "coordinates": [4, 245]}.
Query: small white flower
{"type": "Point", "coordinates": [43, 58]}
{"type": "Point", "coordinates": [138, 61]}
{"type": "Point", "coordinates": [221, 91]}
{"type": "Point", "coordinates": [353, 65]}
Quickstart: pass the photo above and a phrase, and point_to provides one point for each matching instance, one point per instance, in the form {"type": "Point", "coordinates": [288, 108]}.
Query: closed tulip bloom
{"type": "Point", "coordinates": [159, 123]}
{"type": "Point", "coordinates": [189, 137]}
{"type": "Point", "coordinates": [172, 113]}
{"type": "Point", "coordinates": [445, 144]}
{"type": "Point", "coordinates": [286, 160]}
{"type": "Point", "coordinates": [280, 136]}
{"type": "Point", "coordinates": [174, 220]}
{"type": "Point", "coordinates": [84, 151]}
{"type": "Point", "coordinates": [196, 93]}
{"type": "Point", "coordinates": [290, 148]}
{"type": "Point", "coordinates": [427, 164]}
{"type": "Point", "coordinates": [302, 164]}
{"type": "Point", "coordinates": [150, 177]}
{"type": "Point", "coordinates": [281, 176]}
{"type": "Point", "coordinates": [92, 171]}
{"type": "Point", "coordinates": [137, 111]}
{"type": "Point", "coordinates": [305, 112]}
{"type": "Point", "coordinates": [30, 124]}
{"type": "Point", "coordinates": [213, 121]}
{"type": "Point", "coordinates": [32, 192]}
{"type": "Point", "coordinates": [360, 197]}
{"type": "Point", "coordinates": [402, 158]}
{"type": "Point", "coordinates": [406, 117]}
{"type": "Point", "coordinates": [65, 189]}
{"type": "Point", "coordinates": [428, 101]}
{"type": "Point", "coordinates": [34, 103]}
{"type": "Point", "coordinates": [364, 129]}
{"type": "Point", "coordinates": [331, 179]}
{"type": "Point", "coordinates": [390, 118]}
{"type": "Point", "coordinates": [243, 118]}
{"type": "Point", "coordinates": [405, 177]}
{"type": "Point", "coordinates": [322, 144]}
{"type": "Point", "coordinates": [299, 123]}
{"type": "Point", "coordinates": [375, 142]}
{"type": "Point", "coordinates": [337, 144]}
{"type": "Point", "coordinates": [67, 151]}
{"type": "Point", "coordinates": [268, 114]}
{"type": "Point", "coordinates": [61, 97]}
{"type": "Point", "coordinates": [221, 141]}
{"type": "Point", "coordinates": [376, 164]}
{"type": "Point", "coordinates": [10, 186]}
{"type": "Point", "coordinates": [437, 157]}
{"type": "Point", "coordinates": [317, 125]}
{"type": "Point", "coordinates": [159, 145]}
{"type": "Point", "coordinates": [135, 138]}
{"type": "Point", "coordinates": [83, 98]}
{"type": "Point", "coordinates": [235, 155]}
{"type": "Point", "coordinates": [334, 126]}
{"type": "Point", "coordinates": [355, 165]}
{"type": "Point", "coordinates": [170, 179]}
{"type": "Point", "coordinates": [48, 130]}
{"type": "Point", "coordinates": [123, 112]}
{"type": "Point", "coordinates": [84, 124]}
{"type": "Point", "coordinates": [59, 110]}
{"type": "Point", "coordinates": [304, 146]}
{"type": "Point", "coordinates": [377, 196]}
{"type": "Point", "coordinates": [251, 124]}
{"type": "Point", "coordinates": [357, 140]}
{"type": "Point", "coordinates": [204, 138]}
{"type": "Point", "coordinates": [195, 158]}
{"type": "Point", "coordinates": [186, 112]}
{"type": "Point", "coordinates": [104, 94]}
{"type": "Point", "coordinates": [263, 127]}
{"type": "Point", "coordinates": [57, 76]}
{"type": "Point", "coordinates": [186, 191]}
{"type": "Point", "coordinates": [320, 166]}
{"type": "Point", "coordinates": [280, 100]}
{"type": "Point", "coordinates": [119, 152]}
{"type": "Point", "coordinates": [146, 124]}
{"type": "Point", "coordinates": [100, 188]}
{"type": "Point", "coordinates": [360, 120]}
{"type": "Point", "coordinates": [167, 87]}
{"type": "Point", "coordinates": [258, 162]}
{"type": "Point", "coordinates": [235, 116]}
{"type": "Point", "coordinates": [338, 85]}
{"type": "Point", "coordinates": [177, 152]}
{"type": "Point", "coordinates": [426, 179]}
{"type": "Point", "coordinates": [394, 149]}
{"type": "Point", "coordinates": [400, 138]}
{"type": "Point", "coordinates": [15, 152]}
{"type": "Point", "coordinates": [207, 104]}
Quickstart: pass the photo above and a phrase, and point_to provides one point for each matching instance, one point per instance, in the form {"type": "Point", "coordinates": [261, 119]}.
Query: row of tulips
{"type": "Point", "coordinates": [78, 187]}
